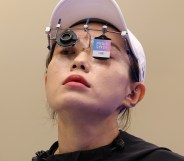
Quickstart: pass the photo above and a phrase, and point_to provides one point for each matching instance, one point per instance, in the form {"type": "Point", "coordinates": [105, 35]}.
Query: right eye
{"type": "Point", "coordinates": [68, 51]}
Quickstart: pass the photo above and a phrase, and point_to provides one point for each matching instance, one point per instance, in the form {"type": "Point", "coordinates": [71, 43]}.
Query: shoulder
{"type": "Point", "coordinates": [161, 155]}
{"type": "Point", "coordinates": [138, 149]}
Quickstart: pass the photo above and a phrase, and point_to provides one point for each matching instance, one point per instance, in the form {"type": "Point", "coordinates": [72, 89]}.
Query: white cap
{"type": "Point", "coordinates": [72, 11]}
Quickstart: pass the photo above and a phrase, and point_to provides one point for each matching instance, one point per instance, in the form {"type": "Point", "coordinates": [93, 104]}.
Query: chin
{"type": "Point", "coordinates": [80, 103]}
{"type": "Point", "coordinates": [67, 102]}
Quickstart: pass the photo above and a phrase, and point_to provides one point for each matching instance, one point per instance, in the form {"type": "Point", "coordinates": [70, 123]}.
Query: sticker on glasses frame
{"type": "Point", "coordinates": [102, 47]}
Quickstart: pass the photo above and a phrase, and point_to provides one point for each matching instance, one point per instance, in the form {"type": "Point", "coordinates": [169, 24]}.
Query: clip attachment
{"type": "Point", "coordinates": [59, 24]}
{"type": "Point", "coordinates": [124, 34]}
{"type": "Point", "coordinates": [104, 29]}
{"type": "Point", "coordinates": [47, 31]}
{"type": "Point", "coordinates": [86, 27]}
{"type": "Point", "coordinates": [101, 47]}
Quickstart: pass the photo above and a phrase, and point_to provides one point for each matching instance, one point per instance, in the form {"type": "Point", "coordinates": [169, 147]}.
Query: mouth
{"type": "Point", "coordinates": [76, 79]}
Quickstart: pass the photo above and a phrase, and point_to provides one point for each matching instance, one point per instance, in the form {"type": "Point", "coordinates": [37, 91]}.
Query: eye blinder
{"type": "Point", "coordinates": [67, 38]}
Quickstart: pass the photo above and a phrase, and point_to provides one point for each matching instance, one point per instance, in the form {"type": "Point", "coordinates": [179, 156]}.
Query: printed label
{"type": "Point", "coordinates": [101, 48]}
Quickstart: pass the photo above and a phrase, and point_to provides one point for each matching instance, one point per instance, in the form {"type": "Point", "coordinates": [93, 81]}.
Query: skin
{"type": "Point", "coordinates": [87, 117]}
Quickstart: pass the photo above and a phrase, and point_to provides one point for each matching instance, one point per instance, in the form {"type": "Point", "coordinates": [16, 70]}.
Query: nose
{"type": "Point", "coordinates": [81, 62]}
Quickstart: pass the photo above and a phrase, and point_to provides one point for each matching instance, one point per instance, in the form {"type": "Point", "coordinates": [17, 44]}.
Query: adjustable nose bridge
{"type": "Point", "coordinates": [81, 61]}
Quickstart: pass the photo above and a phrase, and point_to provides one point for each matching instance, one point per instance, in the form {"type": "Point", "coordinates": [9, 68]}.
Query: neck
{"type": "Point", "coordinates": [80, 133]}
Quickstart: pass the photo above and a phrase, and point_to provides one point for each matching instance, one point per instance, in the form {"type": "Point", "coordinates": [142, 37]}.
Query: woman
{"type": "Point", "coordinates": [95, 74]}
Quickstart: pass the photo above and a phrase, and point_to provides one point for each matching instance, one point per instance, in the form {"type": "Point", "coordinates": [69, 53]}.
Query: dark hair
{"type": "Point", "coordinates": [124, 116]}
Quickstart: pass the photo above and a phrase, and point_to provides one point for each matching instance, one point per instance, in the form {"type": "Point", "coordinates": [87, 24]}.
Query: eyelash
{"type": "Point", "coordinates": [68, 51]}
{"type": "Point", "coordinates": [71, 51]}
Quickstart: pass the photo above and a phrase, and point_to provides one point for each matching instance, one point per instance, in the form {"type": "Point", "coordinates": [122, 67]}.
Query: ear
{"type": "Point", "coordinates": [136, 95]}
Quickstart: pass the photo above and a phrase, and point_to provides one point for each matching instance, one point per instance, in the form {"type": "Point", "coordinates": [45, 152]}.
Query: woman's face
{"type": "Point", "coordinates": [75, 81]}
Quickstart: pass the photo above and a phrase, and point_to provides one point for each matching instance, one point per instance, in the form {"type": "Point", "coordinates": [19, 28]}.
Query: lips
{"type": "Point", "coordinates": [76, 78]}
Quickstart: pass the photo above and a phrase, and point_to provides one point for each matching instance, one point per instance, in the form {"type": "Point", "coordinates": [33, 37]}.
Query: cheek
{"type": "Point", "coordinates": [52, 73]}
{"type": "Point", "coordinates": [57, 68]}
{"type": "Point", "coordinates": [117, 84]}
{"type": "Point", "coordinates": [112, 85]}
{"type": "Point", "coordinates": [121, 81]}
{"type": "Point", "coordinates": [114, 75]}
{"type": "Point", "coordinates": [55, 76]}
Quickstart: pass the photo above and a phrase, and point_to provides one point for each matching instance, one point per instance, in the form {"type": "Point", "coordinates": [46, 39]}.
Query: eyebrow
{"type": "Point", "coordinates": [116, 46]}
